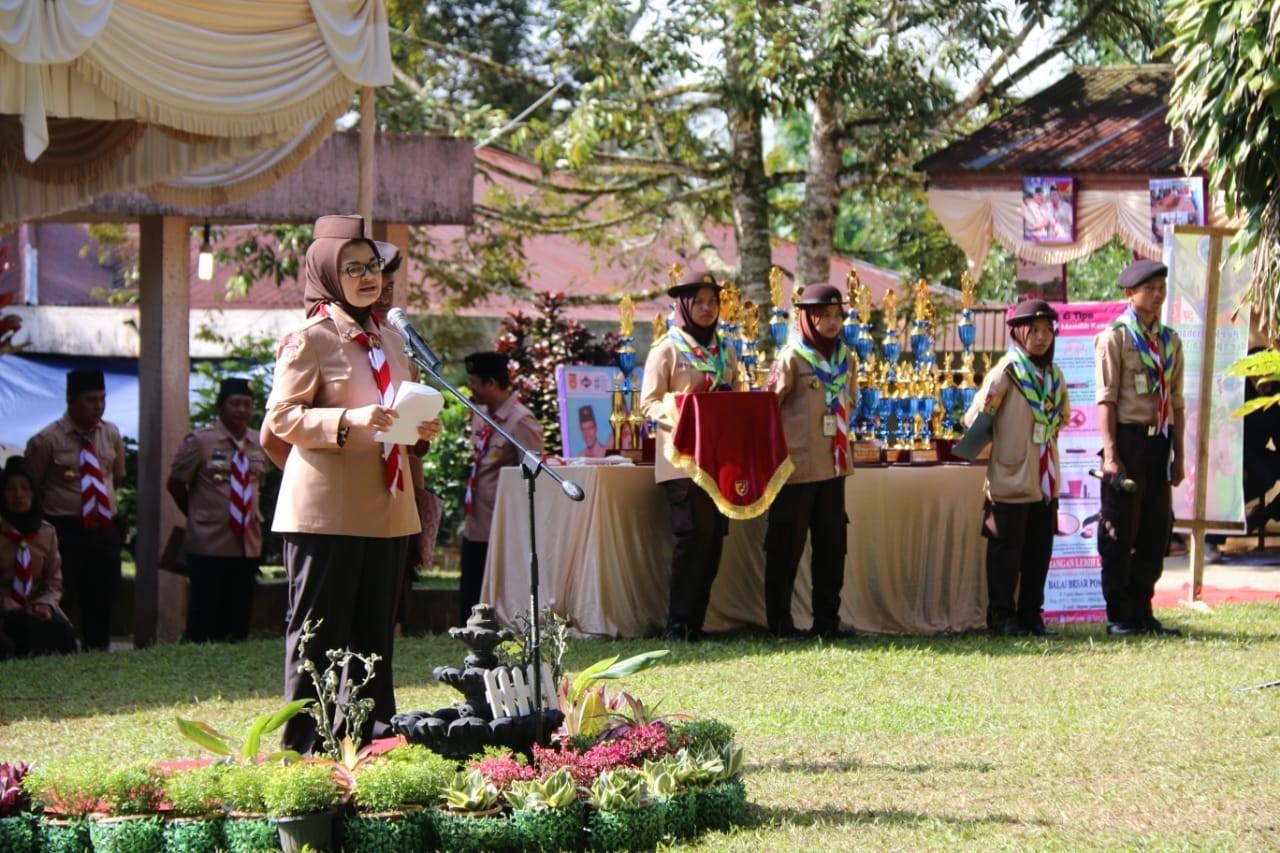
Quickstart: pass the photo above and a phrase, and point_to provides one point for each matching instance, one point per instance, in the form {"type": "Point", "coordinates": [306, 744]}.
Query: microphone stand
{"type": "Point", "coordinates": [531, 465]}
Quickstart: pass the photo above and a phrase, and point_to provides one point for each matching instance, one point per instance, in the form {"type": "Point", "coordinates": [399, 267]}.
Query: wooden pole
{"type": "Point", "coordinates": [368, 175]}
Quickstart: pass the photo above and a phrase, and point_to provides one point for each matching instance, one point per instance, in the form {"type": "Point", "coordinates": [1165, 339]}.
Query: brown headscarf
{"type": "Point", "coordinates": [23, 522]}
{"type": "Point", "coordinates": [321, 279]}
{"type": "Point", "coordinates": [815, 299]}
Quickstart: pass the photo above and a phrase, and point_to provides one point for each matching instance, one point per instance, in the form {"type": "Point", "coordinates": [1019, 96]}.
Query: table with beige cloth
{"type": "Point", "coordinates": [914, 565]}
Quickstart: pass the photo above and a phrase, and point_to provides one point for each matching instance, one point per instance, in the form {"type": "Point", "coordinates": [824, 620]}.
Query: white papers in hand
{"type": "Point", "coordinates": [415, 403]}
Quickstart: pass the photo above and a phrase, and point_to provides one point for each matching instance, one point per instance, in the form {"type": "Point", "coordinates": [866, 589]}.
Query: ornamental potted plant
{"type": "Point", "coordinates": [17, 823]}
{"type": "Point", "coordinates": [720, 791]}
{"type": "Point", "coordinates": [247, 829]}
{"type": "Point", "coordinates": [666, 784]}
{"type": "Point", "coordinates": [470, 817]}
{"type": "Point", "coordinates": [302, 798]}
{"type": "Point", "coordinates": [64, 794]}
{"type": "Point", "coordinates": [195, 800]}
{"type": "Point", "coordinates": [130, 820]}
{"type": "Point", "coordinates": [623, 816]}
{"type": "Point", "coordinates": [546, 814]}
{"type": "Point", "coordinates": [390, 795]}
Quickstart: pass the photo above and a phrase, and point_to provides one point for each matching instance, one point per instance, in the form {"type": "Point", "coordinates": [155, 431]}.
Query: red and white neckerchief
{"type": "Point", "coordinates": [22, 564]}
{"type": "Point", "coordinates": [386, 396]}
{"type": "Point", "coordinates": [95, 507]}
{"type": "Point", "coordinates": [241, 490]}
{"type": "Point", "coordinates": [481, 445]}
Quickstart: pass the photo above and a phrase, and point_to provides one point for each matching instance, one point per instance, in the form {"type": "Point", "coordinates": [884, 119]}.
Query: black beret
{"type": "Point", "coordinates": [232, 386]}
{"type": "Point", "coordinates": [1031, 310]}
{"type": "Point", "coordinates": [488, 365]}
{"type": "Point", "coordinates": [85, 379]}
{"type": "Point", "coordinates": [586, 414]}
{"type": "Point", "coordinates": [694, 284]}
{"type": "Point", "coordinates": [820, 294]}
{"type": "Point", "coordinates": [1141, 271]}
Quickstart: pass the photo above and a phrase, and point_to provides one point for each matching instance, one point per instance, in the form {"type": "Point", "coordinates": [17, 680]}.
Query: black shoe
{"type": "Point", "coordinates": [1041, 630]}
{"type": "Point", "coordinates": [1153, 627]}
{"type": "Point", "coordinates": [677, 632]}
{"type": "Point", "coordinates": [788, 632]}
{"type": "Point", "coordinates": [1012, 629]}
{"type": "Point", "coordinates": [1121, 629]}
{"type": "Point", "coordinates": [831, 632]}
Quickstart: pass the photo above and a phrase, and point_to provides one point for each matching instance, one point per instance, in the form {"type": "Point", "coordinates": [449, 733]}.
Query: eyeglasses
{"type": "Point", "coordinates": [359, 270]}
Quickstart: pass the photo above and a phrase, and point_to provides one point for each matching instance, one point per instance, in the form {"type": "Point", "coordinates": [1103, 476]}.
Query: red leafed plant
{"type": "Point", "coordinates": [502, 770]}
{"type": "Point", "coordinates": [622, 747]}
{"type": "Point", "coordinates": [14, 799]}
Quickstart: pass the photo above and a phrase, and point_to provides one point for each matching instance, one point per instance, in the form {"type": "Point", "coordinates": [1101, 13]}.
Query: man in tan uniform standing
{"type": "Point", "coordinates": [1138, 374]}
{"type": "Point", "coordinates": [77, 461]}
{"type": "Point", "coordinates": [215, 481]}
{"type": "Point", "coordinates": [490, 385]}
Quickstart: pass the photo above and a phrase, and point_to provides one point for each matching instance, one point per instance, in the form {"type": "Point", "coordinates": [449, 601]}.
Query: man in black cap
{"type": "Point", "coordinates": [490, 384]}
{"type": "Point", "coordinates": [78, 461]}
{"type": "Point", "coordinates": [591, 446]}
{"type": "Point", "coordinates": [215, 480]}
{"type": "Point", "coordinates": [1138, 374]}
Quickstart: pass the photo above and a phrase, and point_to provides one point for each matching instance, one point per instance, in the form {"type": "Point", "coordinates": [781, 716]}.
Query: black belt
{"type": "Point", "coordinates": [1141, 429]}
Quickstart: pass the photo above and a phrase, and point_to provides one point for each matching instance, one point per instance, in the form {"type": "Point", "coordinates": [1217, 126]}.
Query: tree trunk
{"type": "Point", "coordinates": [747, 185]}
{"type": "Point", "coordinates": [818, 215]}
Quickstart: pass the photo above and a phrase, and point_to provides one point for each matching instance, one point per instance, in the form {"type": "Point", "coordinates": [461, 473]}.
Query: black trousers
{"type": "Point", "coordinates": [221, 598]}
{"type": "Point", "coordinates": [90, 577]}
{"type": "Point", "coordinates": [699, 531]}
{"type": "Point", "coordinates": [813, 512]}
{"type": "Point", "coordinates": [1133, 531]}
{"type": "Point", "coordinates": [1019, 547]}
{"type": "Point", "coordinates": [471, 559]}
{"type": "Point", "coordinates": [351, 583]}
{"type": "Point", "coordinates": [23, 635]}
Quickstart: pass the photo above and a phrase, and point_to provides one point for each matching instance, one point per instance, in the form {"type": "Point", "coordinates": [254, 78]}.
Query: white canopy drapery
{"type": "Point", "coordinates": [973, 218]}
{"type": "Point", "coordinates": [107, 95]}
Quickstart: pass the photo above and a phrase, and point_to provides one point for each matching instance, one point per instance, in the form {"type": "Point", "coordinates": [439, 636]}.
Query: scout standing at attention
{"type": "Point", "coordinates": [215, 480]}
{"type": "Point", "coordinates": [1138, 375]}
{"type": "Point", "coordinates": [1026, 397]}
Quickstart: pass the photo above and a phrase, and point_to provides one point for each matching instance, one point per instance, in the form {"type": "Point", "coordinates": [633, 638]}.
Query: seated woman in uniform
{"type": "Point", "coordinates": [30, 571]}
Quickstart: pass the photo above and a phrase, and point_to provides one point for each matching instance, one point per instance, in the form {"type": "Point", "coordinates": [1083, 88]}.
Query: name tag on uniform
{"type": "Point", "coordinates": [1038, 433]}
{"type": "Point", "coordinates": [828, 424]}
{"type": "Point", "coordinates": [1140, 383]}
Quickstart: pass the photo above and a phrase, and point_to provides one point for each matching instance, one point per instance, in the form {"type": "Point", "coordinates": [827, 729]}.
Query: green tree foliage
{"type": "Point", "coordinates": [1226, 104]}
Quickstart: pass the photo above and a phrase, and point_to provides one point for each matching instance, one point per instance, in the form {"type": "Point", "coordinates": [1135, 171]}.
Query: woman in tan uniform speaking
{"type": "Point", "coordinates": [346, 508]}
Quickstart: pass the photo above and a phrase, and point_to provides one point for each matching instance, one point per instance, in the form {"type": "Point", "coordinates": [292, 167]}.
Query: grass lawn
{"type": "Point", "coordinates": [894, 743]}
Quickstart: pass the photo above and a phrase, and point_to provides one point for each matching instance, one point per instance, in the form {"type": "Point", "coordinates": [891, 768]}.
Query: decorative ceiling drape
{"type": "Point", "coordinates": [107, 95]}
{"type": "Point", "coordinates": [973, 218]}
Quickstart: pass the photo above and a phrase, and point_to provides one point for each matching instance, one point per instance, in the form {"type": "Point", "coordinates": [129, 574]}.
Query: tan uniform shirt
{"type": "Point", "coordinates": [46, 568]}
{"type": "Point", "coordinates": [54, 457]}
{"type": "Point", "coordinates": [1013, 473]}
{"type": "Point", "coordinates": [321, 371]}
{"type": "Point", "coordinates": [499, 453]}
{"type": "Point", "coordinates": [803, 401]}
{"type": "Point", "coordinates": [203, 463]}
{"type": "Point", "coordinates": [1121, 378]}
{"type": "Point", "coordinates": [667, 371]}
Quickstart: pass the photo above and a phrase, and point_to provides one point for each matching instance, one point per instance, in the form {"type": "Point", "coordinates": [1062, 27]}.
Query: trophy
{"type": "Point", "coordinates": [778, 316]}
{"type": "Point", "coordinates": [857, 323]}
{"type": "Point", "coordinates": [730, 306]}
{"type": "Point", "coordinates": [891, 347]}
{"type": "Point", "coordinates": [923, 450]}
{"type": "Point", "coordinates": [751, 373]}
{"type": "Point", "coordinates": [621, 413]}
{"type": "Point", "coordinates": [949, 398]}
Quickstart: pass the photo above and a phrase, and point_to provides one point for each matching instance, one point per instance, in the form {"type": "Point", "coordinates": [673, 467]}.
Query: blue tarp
{"type": "Point", "coordinates": [33, 393]}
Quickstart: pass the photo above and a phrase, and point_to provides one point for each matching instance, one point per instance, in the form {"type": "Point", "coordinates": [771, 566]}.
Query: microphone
{"type": "Point", "coordinates": [400, 320]}
{"type": "Point", "coordinates": [572, 489]}
{"type": "Point", "coordinates": [1120, 483]}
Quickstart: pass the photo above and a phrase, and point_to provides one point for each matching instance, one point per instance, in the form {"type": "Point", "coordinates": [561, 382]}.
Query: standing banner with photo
{"type": "Point", "coordinates": [586, 397]}
{"type": "Point", "coordinates": [1187, 253]}
{"type": "Point", "coordinates": [1073, 591]}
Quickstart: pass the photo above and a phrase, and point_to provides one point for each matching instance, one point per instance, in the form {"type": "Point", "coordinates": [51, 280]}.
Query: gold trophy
{"type": "Point", "coordinates": [750, 372]}
{"type": "Point", "coordinates": [617, 413]}
{"type": "Point", "coordinates": [623, 385]}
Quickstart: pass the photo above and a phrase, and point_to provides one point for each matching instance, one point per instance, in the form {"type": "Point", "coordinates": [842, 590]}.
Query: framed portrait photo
{"type": "Point", "coordinates": [1175, 201]}
{"type": "Point", "coordinates": [1049, 210]}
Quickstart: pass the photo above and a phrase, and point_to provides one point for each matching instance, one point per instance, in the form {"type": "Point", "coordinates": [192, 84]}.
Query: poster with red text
{"type": "Point", "coordinates": [1073, 591]}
